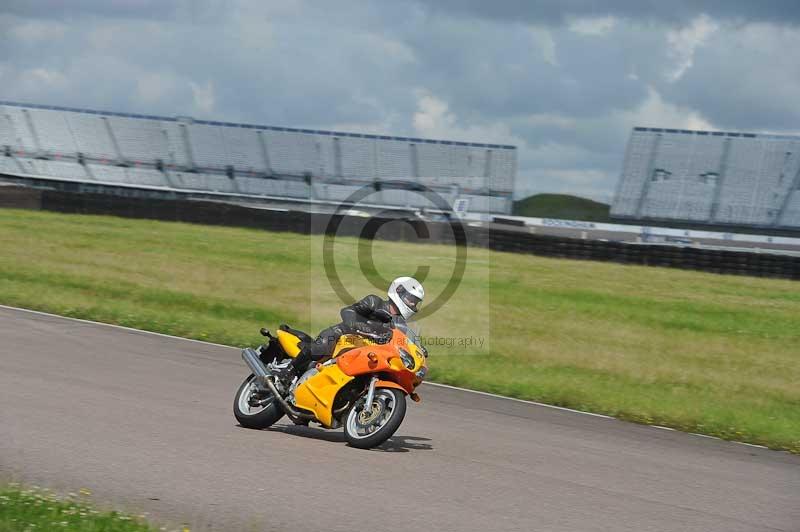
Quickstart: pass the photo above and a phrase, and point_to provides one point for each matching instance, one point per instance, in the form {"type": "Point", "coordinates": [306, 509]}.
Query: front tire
{"type": "Point", "coordinates": [255, 417]}
{"type": "Point", "coordinates": [363, 430]}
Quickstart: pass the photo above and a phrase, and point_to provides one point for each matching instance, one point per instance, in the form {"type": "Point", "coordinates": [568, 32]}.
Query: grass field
{"type": "Point", "coordinates": [562, 206]}
{"type": "Point", "coordinates": [695, 351]}
{"type": "Point", "coordinates": [27, 510]}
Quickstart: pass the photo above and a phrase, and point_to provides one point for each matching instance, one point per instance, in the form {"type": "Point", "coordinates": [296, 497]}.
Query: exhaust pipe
{"type": "Point", "coordinates": [253, 361]}
{"type": "Point", "coordinates": [258, 368]}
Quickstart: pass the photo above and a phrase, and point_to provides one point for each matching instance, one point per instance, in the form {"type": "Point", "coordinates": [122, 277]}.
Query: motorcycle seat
{"type": "Point", "coordinates": [300, 334]}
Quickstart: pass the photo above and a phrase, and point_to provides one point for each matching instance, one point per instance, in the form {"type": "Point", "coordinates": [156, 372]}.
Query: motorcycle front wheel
{"type": "Point", "coordinates": [252, 416]}
{"type": "Point", "coordinates": [365, 429]}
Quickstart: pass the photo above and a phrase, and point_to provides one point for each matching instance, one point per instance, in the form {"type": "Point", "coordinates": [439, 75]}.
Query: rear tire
{"type": "Point", "coordinates": [392, 404]}
{"type": "Point", "coordinates": [254, 417]}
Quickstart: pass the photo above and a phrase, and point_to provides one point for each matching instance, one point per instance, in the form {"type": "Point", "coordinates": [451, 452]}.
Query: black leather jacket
{"type": "Point", "coordinates": [371, 314]}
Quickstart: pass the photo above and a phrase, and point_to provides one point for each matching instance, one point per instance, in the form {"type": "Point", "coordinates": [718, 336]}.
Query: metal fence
{"type": "Point", "coordinates": [717, 261]}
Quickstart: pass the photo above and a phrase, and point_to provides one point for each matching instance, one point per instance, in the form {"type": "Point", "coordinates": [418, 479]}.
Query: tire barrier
{"type": "Point", "coordinates": [761, 264]}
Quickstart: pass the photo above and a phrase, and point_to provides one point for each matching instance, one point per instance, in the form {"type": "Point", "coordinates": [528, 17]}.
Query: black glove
{"type": "Point", "coordinates": [376, 327]}
{"type": "Point", "coordinates": [382, 330]}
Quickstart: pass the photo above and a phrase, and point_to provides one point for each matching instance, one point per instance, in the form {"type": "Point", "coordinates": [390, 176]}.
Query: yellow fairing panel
{"type": "Point", "coordinates": [318, 393]}
{"type": "Point", "coordinates": [289, 343]}
{"type": "Point", "coordinates": [349, 341]}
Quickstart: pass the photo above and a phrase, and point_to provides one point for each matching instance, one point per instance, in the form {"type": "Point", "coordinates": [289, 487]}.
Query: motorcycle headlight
{"type": "Point", "coordinates": [408, 360]}
{"type": "Point", "coordinates": [422, 372]}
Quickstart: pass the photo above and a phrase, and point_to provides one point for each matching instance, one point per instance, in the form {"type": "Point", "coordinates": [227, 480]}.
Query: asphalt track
{"type": "Point", "coordinates": [145, 421]}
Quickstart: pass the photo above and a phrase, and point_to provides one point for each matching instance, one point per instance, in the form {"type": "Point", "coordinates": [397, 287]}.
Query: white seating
{"type": "Point", "coordinates": [208, 148]}
{"type": "Point", "coordinates": [140, 140]}
{"type": "Point", "coordinates": [503, 169]}
{"type": "Point", "coordinates": [357, 157]}
{"type": "Point", "coordinates": [253, 185]}
{"type": "Point", "coordinates": [67, 169]}
{"type": "Point", "coordinates": [219, 183]}
{"type": "Point", "coordinates": [740, 179]}
{"type": "Point", "coordinates": [292, 153]}
{"type": "Point", "coordinates": [31, 166]}
{"type": "Point", "coordinates": [634, 176]}
{"type": "Point", "coordinates": [334, 192]}
{"type": "Point", "coordinates": [129, 176]}
{"type": "Point", "coordinates": [393, 160]}
{"type": "Point", "coordinates": [736, 195]}
{"type": "Point", "coordinates": [791, 216]}
{"type": "Point", "coordinates": [431, 161]}
{"type": "Point", "coordinates": [147, 176]}
{"type": "Point", "coordinates": [244, 150]}
{"type": "Point", "coordinates": [7, 134]}
{"type": "Point", "coordinates": [177, 151]}
{"type": "Point", "coordinates": [20, 131]}
{"type": "Point", "coordinates": [109, 174]}
{"type": "Point", "coordinates": [53, 131]}
{"type": "Point", "coordinates": [8, 165]}
{"type": "Point", "coordinates": [91, 136]}
{"type": "Point", "coordinates": [295, 189]}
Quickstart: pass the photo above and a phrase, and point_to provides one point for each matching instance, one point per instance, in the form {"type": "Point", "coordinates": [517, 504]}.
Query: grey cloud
{"type": "Point", "coordinates": [744, 79]}
{"type": "Point", "coordinates": [550, 12]}
{"type": "Point", "coordinates": [567, 99]}
{"type": "Point", "coordinates": [501, 71]}
{"type": "Point", "coordinates": [134, 9]}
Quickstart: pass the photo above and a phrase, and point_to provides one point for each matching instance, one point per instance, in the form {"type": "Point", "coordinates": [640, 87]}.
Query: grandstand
{"type": "Point", "coordinates": [710, 177]}
{"type": "Point", "coordinates": [184, 155]}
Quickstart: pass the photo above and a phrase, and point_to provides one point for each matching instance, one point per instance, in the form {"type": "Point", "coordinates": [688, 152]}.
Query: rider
{"type": "Point", "coordinates": [371, 315]}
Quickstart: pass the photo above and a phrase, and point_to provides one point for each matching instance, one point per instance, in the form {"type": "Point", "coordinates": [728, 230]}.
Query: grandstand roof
{"type": "Point", "coordinates": [717, 133]}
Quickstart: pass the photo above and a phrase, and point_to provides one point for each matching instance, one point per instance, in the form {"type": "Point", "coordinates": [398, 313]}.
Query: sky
{"type": "Point", "coordinates": [564, 81]}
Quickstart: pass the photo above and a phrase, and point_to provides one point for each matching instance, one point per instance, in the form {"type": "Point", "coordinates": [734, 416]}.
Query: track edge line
{"type": "Point", "coordinates": [487, 394]}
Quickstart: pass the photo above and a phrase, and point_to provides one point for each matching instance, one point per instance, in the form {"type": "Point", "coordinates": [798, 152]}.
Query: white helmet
{"type": "Point", "coordinates": [406, 293]}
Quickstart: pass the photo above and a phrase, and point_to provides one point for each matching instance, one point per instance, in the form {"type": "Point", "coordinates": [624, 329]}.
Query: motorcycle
{"type": "Point", "coordinates": [362, 387]}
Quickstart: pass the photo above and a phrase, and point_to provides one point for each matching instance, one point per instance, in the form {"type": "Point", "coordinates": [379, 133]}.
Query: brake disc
{"type": "Point", "coordinates": [366, 419]}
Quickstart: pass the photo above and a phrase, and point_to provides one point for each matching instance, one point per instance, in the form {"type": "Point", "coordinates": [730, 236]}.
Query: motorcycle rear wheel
{"type": "Point", "coordinates": [254, 417]}
{"type": "Point", "coordinates": [365, 431]}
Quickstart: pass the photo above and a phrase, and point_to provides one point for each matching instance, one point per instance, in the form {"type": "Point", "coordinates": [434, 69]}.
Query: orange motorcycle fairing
{"type": "Point", "coordinates": [364, 360]}
{"type": "Point", "coordinates": [390, 384]}
{"type": "Point", "coordinates": [378, 360]}
{"type": "Point", "coordinates": [348, 342]}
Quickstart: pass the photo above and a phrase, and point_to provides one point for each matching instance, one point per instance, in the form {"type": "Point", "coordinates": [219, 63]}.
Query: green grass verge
{"type": "Point", "coordinates": [695, 351]}
{"type": "Point", "coordinates": [562, 206]}
{"type": "Point", "coordinates": [27, 510]}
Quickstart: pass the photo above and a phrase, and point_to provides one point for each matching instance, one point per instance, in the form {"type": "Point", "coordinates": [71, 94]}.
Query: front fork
{"type": "Point", "coordinates": [370, 395]}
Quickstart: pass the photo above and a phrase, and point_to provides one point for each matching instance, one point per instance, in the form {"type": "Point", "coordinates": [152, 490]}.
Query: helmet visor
{"type": "Point", "coordinates": [411, 301]}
